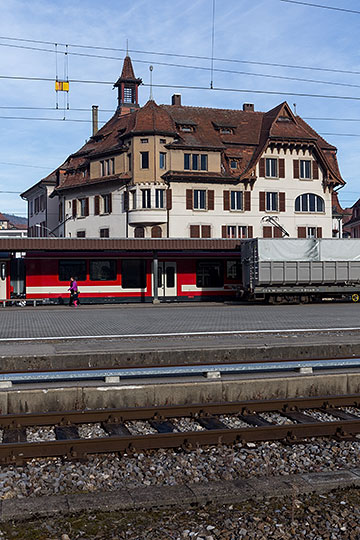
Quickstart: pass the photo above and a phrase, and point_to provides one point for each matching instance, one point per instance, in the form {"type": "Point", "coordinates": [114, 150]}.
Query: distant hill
{"type": "Point", "coordinates": [16, 220]}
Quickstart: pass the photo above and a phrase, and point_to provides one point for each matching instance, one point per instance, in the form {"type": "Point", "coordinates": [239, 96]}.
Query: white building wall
{"type": "Point", "coordinates": [91, 224]}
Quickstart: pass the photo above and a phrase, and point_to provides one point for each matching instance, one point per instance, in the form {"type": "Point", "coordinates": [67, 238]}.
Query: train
{"type": "Point", "coordinates": [163, 270]}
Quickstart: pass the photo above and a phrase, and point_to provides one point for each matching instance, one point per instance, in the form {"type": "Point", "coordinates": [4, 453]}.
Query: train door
{"type": "Point", "coordinates": [167, 279]}
{"type": "Point", "coordinates": [3, 280]}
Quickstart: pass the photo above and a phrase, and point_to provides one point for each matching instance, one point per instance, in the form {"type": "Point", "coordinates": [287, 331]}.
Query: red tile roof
{"type": "Point", "coordinates": [251, 132]}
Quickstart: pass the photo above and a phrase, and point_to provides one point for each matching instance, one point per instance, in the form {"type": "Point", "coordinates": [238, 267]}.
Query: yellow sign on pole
{"type": "Point", "coordinates": [61, 86]}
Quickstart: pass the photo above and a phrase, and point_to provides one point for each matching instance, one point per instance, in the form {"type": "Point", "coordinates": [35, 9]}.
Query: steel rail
{"type": "Point", "coordinates": [176, 371]}
{"type": "Point", "coordinates": [76, 448]}
{"type": "Point", "coordinates": [175, 411]}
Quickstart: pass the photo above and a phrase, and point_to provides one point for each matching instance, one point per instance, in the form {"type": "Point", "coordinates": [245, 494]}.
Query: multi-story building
{"type": "Point", "coordinates": [179, 171]}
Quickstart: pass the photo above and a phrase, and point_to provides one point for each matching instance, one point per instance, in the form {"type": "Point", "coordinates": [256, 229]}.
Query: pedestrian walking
{"type": "Point", "coordinates": [74, 292]}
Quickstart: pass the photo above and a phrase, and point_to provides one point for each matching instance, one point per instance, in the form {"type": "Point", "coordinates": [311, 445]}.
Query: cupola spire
{"type": "Point", "coordinates": [127, 86]}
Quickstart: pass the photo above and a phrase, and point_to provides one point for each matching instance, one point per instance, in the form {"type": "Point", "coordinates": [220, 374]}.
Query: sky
{"type": "Point", "coordinates": [238, 39]}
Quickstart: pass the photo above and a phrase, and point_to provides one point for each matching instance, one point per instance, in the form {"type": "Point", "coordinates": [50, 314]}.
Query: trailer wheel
{"type": "Point", "coordinates": [355, 297]}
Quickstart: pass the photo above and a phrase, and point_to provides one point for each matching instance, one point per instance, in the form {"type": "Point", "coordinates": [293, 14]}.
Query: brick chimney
{"type": "Point", "coordinates": [176, 100]}
{"type": "Point", "coordinates": [248, 107]}
{"type": "Point", "coordinates": [95, 128]}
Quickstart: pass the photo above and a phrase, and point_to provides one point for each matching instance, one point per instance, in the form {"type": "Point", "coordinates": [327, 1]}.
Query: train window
{"type": "Point", "coordinates": [233, 269]}
{"type": "Point", "coordinates": [68, 269]}
{"type": "Point", "coordinates": [133, 274]}
{"type": "Point", "coordinates": [104, 270]}
{"type": "Point", "coordinates": [209, 274]}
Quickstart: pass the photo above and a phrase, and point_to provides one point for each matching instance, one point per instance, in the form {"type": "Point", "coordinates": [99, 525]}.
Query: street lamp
{"type": "Point", "coordinates": [43, 227]}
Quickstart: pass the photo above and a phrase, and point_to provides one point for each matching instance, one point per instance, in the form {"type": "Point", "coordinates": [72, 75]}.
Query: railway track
{"type": "Point", "coordinates": [71, 434]}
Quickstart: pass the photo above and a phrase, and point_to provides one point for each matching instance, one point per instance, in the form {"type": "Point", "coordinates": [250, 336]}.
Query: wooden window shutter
{"type": "Point", "coordinates": [318, 232]}
{"type": "Point", "coordinates": [226, 200]}
{"type": "Point", "coordinates": [277, 233]}
{"type": "Point", "coordinates": [262, 201]}
{"type": "Point", "coordinates": [250, 231]}
{"type": "Point", "coordinates": [194, 231]}
{"type": "Point", "coordinates": [74, 208]}
{"type": "Point", "coordinates": [267, 232]}
{"type": "Point", "coordinates": [262, 167]}
{"type": "Point", "coordinates": [296, 168]}
{"type": "Point", "coordinates": [126, 201]}
{"type": "Point", "coordinates": [96, 205]}
{"type": "Point", "coordinates": [301, 232]}
{"type": "Point", "coordinates": [189, 199]}
{"type": "Point", "coordinates": [168, 199]}
{"type": "Point", "coordinates": [281, 168]}
{"type": "Point", "coordinates": [86, 206]}
{"type": "Point", "coordinates": [315, 170]}
{"type": "Point", "coordinates": [205, 231]}
{"type": "Point", "coordinates": [211, 199]}
{"type": "Point", "coordinates": [224, 231]}
{"type": "Point", "coordinates": [110, 203]}
{"type": "Point", "coordinates": [247, 201]}
{"type": "Point", "coordinates": [282, 201]}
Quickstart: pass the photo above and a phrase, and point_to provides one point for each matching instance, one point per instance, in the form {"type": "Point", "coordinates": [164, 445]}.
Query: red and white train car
{"type": "Point", "coordinates": [122, 270]}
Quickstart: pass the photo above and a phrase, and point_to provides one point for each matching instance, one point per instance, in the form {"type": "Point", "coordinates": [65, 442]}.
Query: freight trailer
{"type": "Point", "coordinates": [300, 270]}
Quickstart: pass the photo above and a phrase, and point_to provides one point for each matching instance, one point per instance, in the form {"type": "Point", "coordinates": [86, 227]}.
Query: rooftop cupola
{"type": "Point", "coordinates": [127, 86]}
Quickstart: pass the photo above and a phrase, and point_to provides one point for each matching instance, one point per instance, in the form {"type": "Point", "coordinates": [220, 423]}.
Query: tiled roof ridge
{"type": "Point", "coordinates": [209, 108]}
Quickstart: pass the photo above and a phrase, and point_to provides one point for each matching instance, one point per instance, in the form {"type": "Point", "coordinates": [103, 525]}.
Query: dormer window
{"type": "Point", "coordinates": [186, 129]}
{"type": "Point", "coordinates": [284, 119]}
{"type": "Point", "coordinates": [233, 164]}
{"type": "Point", "coordinates": [226, 131]}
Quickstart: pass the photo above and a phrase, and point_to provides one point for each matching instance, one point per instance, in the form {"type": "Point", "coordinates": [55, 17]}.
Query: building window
{"type": "Point", "coordinates": [309, 202]}
{"type": "Point", "coordinates": [233, 164]}
{"type": "Point", "coordinates": [203, 162]}
{"type": "Point", "coordinates": [146, 198]}
{"type": "Point", "coordinates": [133, 199]}
{"type": "Point", "coordinates": [103, 270]}
{"type": "Point", "coordinates": [139, 232]}
{"type": "Point", "coordinates": [156, 231]}
{"type": "Point", "coordinates": [129, 95]}
{"type": "Point", "coordinates": [104, 233]}
{"type": "Point", "coordinates": [195, 162]}
{"type": "Point", "coordinates": [84, 207]}
{"type": "Point", "coordinates": [305, 169]}
{"type": "Point", "coordinates": [186, 129]}
{"type": "Point", "coordinates": [159, 198]}
{"type": "Point", "coordinates": [80, 234]}
{"type": "Point", "coordinates": [144, 141]}
{"type": "Point", "coordinates": [271, 168]}
{"type": "Point", "coordinates": [162, 160]}
{"type": "Point", "coordinates": [209, 274]}
{"type": "Point", "coordinates": [226, 131]}
{"type": "Point", "coordinates": [311, 232]}
{"type": "Point", "coordinates": [199, 199]}
{"type": "Point", "coordinates": [107, 203]}
{"type": "Point", "coordinates": [31, 208]}
{"type": "Point", "coordinates": [107, 167]}
{"type": "Point", "coordinates": [133, 274]}
{"type": "Point", "coordinates": [144, 160]}
{"type": "Point", "coordinates": [272, 201]}
{"type": "Point", "coordinates": [162, 141]}
{"type": "Point", "coordinates": [129, 162]}
{"type": "Point", "coordinates": [236, 200]}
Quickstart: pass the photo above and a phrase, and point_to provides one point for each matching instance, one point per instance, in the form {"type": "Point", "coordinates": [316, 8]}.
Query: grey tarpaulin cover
{"type": "Point", "coordinates": [308, 249]}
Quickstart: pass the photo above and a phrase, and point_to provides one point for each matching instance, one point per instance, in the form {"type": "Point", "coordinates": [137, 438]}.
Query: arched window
{"type": "Point", "coordinates": [309, 202]}
{"type": "Point", "coordinates": [139, 232]}
{"type": "Point", "coordinates": [156, 232]}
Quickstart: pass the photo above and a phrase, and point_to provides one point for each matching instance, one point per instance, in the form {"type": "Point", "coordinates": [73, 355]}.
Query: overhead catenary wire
{"type": "Point", "coordinates": [310, 4]}
{"type": "Point", "coordinates": [177, 55]}
{"type": "Point", "coordinates": [204, 68]}
{"type": "Point", "coordinates": [187, 87]}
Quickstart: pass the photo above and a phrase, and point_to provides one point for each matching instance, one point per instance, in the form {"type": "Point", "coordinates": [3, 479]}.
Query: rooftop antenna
{"type": "Point", "coordinates": [151, 88]}
{"type": "Point", "coordinates": [295, 109]}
